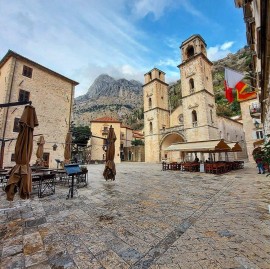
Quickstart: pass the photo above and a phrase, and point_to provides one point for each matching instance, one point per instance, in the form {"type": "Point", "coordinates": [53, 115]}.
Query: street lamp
{"type": "Point", "coordinates": [54, 147]}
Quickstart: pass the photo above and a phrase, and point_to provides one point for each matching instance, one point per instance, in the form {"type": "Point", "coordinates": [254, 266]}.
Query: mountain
{"type": "Point", "coordinates": [109, 97]}
{"type": "Point", "coordinates": [123, 99]}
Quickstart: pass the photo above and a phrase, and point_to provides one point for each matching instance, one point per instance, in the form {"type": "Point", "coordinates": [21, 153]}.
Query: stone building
{"type": "Point", "coordinates": [125, 143]}
{"type": "Point", "coordinates": [195, 119]}
{"type": "Point", "coordinates": [51, 93]}
{"type": "Point", "coordinates": [100, 129]}
{"type": "Point", "coordinates": [256, 112]}
{"type": "Point", "coordinates": [124, 151]}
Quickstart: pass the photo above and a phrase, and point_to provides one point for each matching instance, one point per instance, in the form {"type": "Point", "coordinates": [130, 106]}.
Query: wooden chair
{"type": "Point", "coordinates": [165, 166]}
{"type": "Point", "coordinates": [217, 168]}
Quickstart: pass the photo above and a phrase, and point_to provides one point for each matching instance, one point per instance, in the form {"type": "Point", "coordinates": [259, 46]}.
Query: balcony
{"type": "Point", "coordinates": [255, 110]}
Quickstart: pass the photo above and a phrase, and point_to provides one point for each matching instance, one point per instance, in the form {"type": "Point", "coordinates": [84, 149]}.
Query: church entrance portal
{"type": "Point", "coordinates": [171, 156]}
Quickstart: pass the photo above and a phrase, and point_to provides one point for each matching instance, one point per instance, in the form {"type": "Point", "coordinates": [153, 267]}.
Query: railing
{"type": "Point", "coordinates": [195, 124]}
{"type": "Point", "coordinates": [255, 110]}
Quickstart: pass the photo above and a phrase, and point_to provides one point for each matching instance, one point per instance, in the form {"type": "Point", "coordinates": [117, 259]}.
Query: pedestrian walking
{"type": "Point", "coordinates": [259, 162]}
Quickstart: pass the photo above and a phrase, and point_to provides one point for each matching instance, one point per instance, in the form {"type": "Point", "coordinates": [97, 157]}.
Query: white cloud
{"type": "Point", "coordinates": [191, 9]}
{"type": "Point", "coordinates": [82, 39]}
{"type": "Point", "coordinates": [141, 8]}
{"type": "Point", "coordinates": [226, 45]}
{"type": "Point", "coordinates": [168, 62]}
{"type": "Point", "coordinates": [95, 38]}
{"type": "Point", "coordinates": [219, 51]}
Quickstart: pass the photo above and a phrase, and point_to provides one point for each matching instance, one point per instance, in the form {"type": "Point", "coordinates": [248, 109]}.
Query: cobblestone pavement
{"type": "Point", "coordinates": [147, 218]}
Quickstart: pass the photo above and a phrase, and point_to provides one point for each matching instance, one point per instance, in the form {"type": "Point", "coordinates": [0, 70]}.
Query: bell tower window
{"type": "Point", "coordinates": [151, 127]}
{"type": "Point", "coordinates": [194, 118]}
{"type": "Point", "coordinates": [150, 103]}
{"type": "Point", "coordinates": [190, 51]}
{"type": "Point", "coordinates": [211, 116]}
{"type": "Point", "coordinates": [191, 85]}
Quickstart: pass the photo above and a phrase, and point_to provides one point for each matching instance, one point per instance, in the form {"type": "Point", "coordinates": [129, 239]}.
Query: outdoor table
{"type": "Point", "coordinates": [46, 170]}
{"type": "Point", "coordinates": [61, 175]}
{"type": "Point", "coordinates": [37, 168]}
{"type": "Point", "coordinates": [191, 167]}
{"type": "Point", "coordinates": [37, 175]}
{"type": "Point", "coordinates": [174, 166]}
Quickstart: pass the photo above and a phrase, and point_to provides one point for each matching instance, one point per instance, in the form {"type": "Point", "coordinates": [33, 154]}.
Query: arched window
{"type": "Point", "coordinates": [190, 51]}
{"type": "Point", "coordinates": [191, 85]}
{"type": "Point", "coordinates": [181, 118]}
{"type": "Point", "coordinates": [194, 118]}
{"type": "Point", "coordinates": [220, 134]}
{"type": "Point", "coordinates": [151, 127]}
{"type": "Point", "coordinates": [150, 103]}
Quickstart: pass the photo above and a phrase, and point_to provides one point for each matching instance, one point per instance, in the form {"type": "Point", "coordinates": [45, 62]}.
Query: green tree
{"type": "Point", "coordinates": [81, 135]}
{"type": "Point", "coordinates": [137, 142]}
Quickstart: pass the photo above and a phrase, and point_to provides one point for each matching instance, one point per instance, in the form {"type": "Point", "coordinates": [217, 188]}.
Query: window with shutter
{"type": "Point", "coordinates": [24, 96]}
{"type": "Point", "coordinates": [27, 71]}
{"type": "Point", "coordinates": [16, 126]}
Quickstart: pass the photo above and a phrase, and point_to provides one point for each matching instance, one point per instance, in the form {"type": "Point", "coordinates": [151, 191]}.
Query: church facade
{"type": "Point", "coordinates": [195, 119]}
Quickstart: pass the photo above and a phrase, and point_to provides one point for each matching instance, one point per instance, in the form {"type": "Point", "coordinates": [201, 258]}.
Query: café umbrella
{"type": "Point", "coordinates": [20, 177]}
{"type": "Point", "coordinates": [110, 171]}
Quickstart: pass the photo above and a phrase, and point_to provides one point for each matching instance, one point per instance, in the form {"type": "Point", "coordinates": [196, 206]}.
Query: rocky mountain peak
{"type": "Point", "coordinates": [108, 97]}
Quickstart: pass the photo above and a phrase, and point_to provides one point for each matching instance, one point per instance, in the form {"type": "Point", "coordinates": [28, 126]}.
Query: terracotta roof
{"type": "Point", "coordinates": [11, 53]}
{"type": "Point", "coordinates": [138, 136]}
{"type": "Point", "coordinates": [106, 119]}
{"type": "Point", "coordinates": [137, 132]}
{"type": "Point", "coordinates": [125, 126]}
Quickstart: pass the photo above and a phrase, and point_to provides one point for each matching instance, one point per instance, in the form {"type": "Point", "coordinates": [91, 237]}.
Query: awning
{"type": "Point", "coordinates": [200, 146]}
{"type": "Point", "coordinates": [235, 147]}
{"type": "Point", "coordinates": [258, 143]}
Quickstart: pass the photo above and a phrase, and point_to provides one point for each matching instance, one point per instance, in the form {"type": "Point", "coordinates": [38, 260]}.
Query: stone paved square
{"type": "Point", "coordinates": [147, 218]}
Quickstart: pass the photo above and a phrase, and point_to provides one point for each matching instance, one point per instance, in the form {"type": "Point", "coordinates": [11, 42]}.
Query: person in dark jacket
{"type": "Point", "coordinates": [259, 162]}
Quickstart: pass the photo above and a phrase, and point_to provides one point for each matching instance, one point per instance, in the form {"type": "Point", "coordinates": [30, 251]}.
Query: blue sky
{"type": "Point", "coordinates": [82, 39]}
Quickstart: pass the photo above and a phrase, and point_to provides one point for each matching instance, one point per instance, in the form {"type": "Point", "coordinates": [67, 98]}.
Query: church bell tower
{"type": "Point", "coordinates": [199, 109]}
{"type": "Point", "coordinates": [156, 112]}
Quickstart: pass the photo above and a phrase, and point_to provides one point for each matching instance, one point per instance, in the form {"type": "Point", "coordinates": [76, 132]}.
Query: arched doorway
{"type": "Point", "coordinates": [168, 140]}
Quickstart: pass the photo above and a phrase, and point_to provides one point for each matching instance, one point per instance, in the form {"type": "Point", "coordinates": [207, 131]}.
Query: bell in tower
{"type": "Point", "coordinates": [192, 47]}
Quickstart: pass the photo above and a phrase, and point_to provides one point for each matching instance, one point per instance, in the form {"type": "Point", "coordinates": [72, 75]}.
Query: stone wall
{"type": "Point", "coordinates": [249, 127]}
{"type": "Point", "coordinates": [52, 96]}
